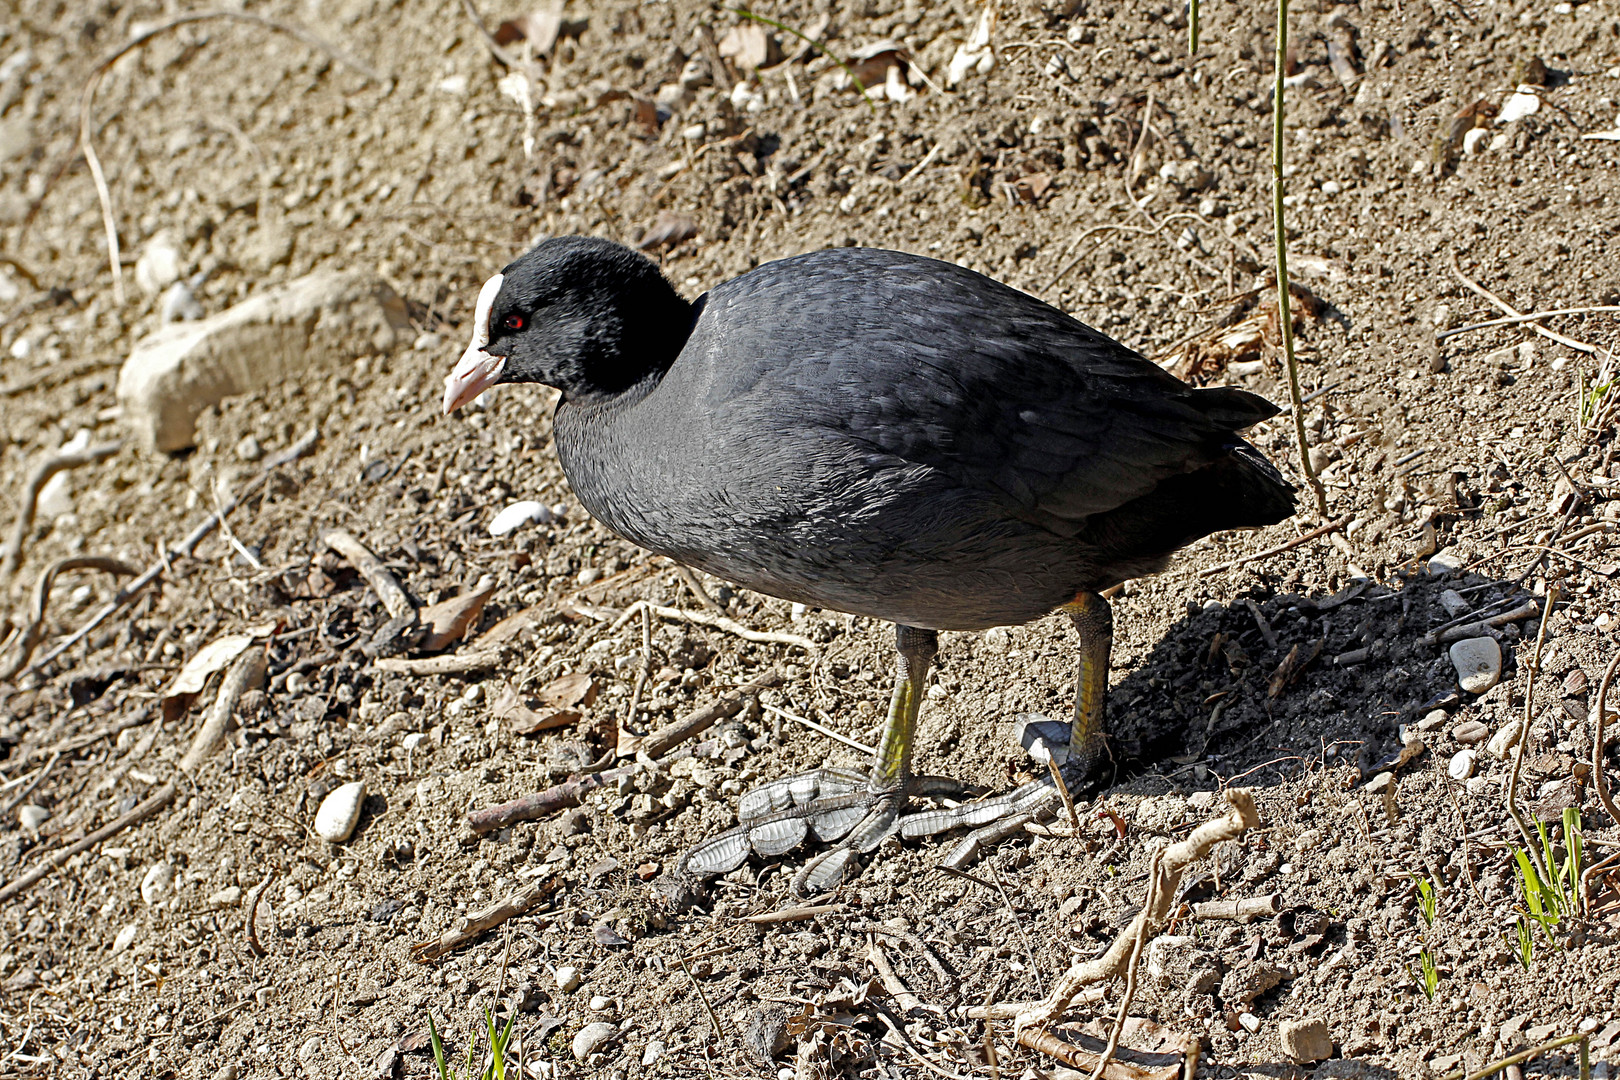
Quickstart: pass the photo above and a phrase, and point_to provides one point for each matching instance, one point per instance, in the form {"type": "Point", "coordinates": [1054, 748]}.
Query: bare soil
{"type": "Point", "coordinates": [264, 159]}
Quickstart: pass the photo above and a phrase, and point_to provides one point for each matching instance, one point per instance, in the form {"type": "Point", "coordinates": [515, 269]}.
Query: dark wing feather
{"type": "Point", "coordinates": [930, 363]}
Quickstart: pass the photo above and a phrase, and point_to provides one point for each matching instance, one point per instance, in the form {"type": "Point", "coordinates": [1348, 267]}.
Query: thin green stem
{"type": "Point", "coordinates": [1192, 27]}
{"type": "Point", "coordinates": [1285, 315]}
{"type": "Point", "coordinates": [814, 44]}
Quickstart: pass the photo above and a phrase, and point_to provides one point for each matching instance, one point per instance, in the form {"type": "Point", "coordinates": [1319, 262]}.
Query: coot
{"type": "Point", "coordinates": [877, 433]}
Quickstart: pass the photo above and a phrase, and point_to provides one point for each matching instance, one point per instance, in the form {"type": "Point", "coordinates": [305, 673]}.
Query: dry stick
{"type": "Point", "coordinates": [184, 548]}
{"type": "Point", "coordinates": [731, 626]}
{"type": "Point", "coordinates": [158, 800]}
{"type": "Point", "coordinates": [897, 989]}
{"type": "Point", "coordinates": [1073, 1056]}
{"type": "Point", "coordinates": [571, 792]}
{"type": "Point", "coordinates": [47, 467]}
{"type": "Point", "coordinates": [1131, 969]}
{"type": "Point", "coordinates": [247, 673]}
{"type": "Point", "coordinates": [1173, 864]}
{"type": "Point", "coordinates": [1512, 320]}
{"type": "Point", "coordinates": [713, 1019]}
{"type": "Point", "coordinates": [1479, 290]}
{"type": "Point", "coordinates": [255, 896]}
{"type": "Point", "coordinates": [1524, 735]}
{"type": "Point", "coordinates": [792, 914]}
{"type": "Point", "coordinates": [1285, 315]}
{"type": "Point", "coordinates": [1249, 907]}
{"type": "Point", "coordinates": [87, 146]}
{"type": "Point", "coordinates": [821, 729]}
{"type": "Point", "coordinates": [382, 580]}
{"type": "Point", "coordinates": [39, 777]}
{"type": "Point", "coordinates": [480, 922]}
{"type": "Point", "coordinates": [689, 577]}
{"type": "Point", "coordinates": [1062, 786]}
{"type": "Point", "coordinates": [1600, 778]}
{"type": "Point", "coordinates": [449, 664]}
{"type": "Point", "coordinates": [1320, 530]}
{"type": "Point", "coordinates": [1523, 1055]}
{"type": "Point", "coordinates": [29, 637]}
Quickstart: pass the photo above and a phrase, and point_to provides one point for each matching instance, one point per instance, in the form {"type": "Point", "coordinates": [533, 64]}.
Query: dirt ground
{"type": "Point", "coordinates": [222, 937]}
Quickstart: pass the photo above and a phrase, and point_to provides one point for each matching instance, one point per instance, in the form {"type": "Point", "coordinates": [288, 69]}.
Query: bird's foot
{"type": "Point", "coordinates": [842, 808]}
{"type": "Point", "coordinates": [835, 806]}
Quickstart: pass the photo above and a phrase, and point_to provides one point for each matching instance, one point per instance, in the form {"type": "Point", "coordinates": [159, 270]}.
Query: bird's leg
{"type": "Point", "coordinates": [992, 818]}
{"type": "Point", "coordinates": [856, 810]}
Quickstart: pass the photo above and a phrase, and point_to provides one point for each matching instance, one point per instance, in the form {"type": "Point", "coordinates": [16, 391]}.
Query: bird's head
{"type": "Point", "coordinates": [589, 317]}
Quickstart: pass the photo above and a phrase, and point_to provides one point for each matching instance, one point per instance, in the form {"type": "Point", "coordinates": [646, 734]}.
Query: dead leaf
{"type": "Point", "coordinates": [644, 111]}
{"type": "Point", "coordinates": [214, 656]}
{"type": "Point", "coordinates": [513, 625]}
{"type": "Point", "coordinates": [448, 620]}
{"type": "Point", "coordinates": [570, 690]}
{"type": "Point", "coordinates": [540, 29]}
{"type": "Point", "coordinates": [522, 720]}
{"type": "Point", "coordinates": [871, 64]}
{"type": "Point", "coordinates": [668, 229]}
{"type": "Point", "coordinates": [1292, 667]}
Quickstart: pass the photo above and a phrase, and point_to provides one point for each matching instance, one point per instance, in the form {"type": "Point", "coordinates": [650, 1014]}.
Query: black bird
{"type": "Point", "coordinates": [876, 433]}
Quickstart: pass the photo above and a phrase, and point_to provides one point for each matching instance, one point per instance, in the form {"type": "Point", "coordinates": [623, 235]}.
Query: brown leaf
{"type": "Point", "coordinates": [513, 625]}
{"type": "Point", "coordinates": [644, 111]}
{"type": "Point", "coordinates": [570, 690]}
{"type": "Point", "coordinates": [523, 720]}
{"type": "Point", "coordinates": [1292, 667]}
{"type": "Point", "coordinates": [871, 64]}
{"type": "Point", "coordinates": [540, 29]}
{"type": "Point", "coordinates": [448, 620]}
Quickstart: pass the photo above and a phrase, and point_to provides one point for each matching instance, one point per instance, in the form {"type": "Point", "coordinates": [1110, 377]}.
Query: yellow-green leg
{"type": "Point", "coordinates": [891, 765]}
{"type": "Point", "coordinates": [1094, 621]}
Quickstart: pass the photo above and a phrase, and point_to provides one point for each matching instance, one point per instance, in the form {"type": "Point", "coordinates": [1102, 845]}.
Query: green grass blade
{"type": "Point", "coordinates": [1192, 27]}
{"type": "Point", "coordinates": [438, 1051]}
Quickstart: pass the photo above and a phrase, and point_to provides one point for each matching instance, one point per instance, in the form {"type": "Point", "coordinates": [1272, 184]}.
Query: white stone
{"type": "Point", "coordinates": [229, 896]}
{"type": "Point", "coordinates": [519, 514]}
{"type": "Point", "coordinates": [601, 1003]}
{"type": "Point", "coordinates": [276, 337]}
{"type": "Point", "coordinates": [1462, 765]}
{"type": "Point", "coordinates": [1471, 140]}
{"type": "Point", "coordinates": [413, 740]}
{"type": "Point", "coordinates": [125, 938]}
{"type": "Point", "coordinates": [1503, 742]}
{"type": "Point", "coordinates": [568, 979]}
{"type": "Point", "coordinates": [1454, 602]}
{"type": "Point", "coordinates": [1499, 142]}
{"type": "Point", "coordinates": [1524, 102]}
{"type": "Point", "coordinates": [156, 882]}
{"type": "Point", "coordinates": [1444, 562]}
{"type": "Point", "coordinates": [1478, 662]}
{"type": "Point", "coordinates": [1250, 1022]}
{"type": "Point", "coordinates": [654, 1051]}
{"type": "Point", "coordinates": [340, 812]}
{"type": "Point", "coordinates": [31, 817]}
{"type": "Point", "coordinates": [159, 264]}
{"type": "Point", "coordinates": [592, 1036]}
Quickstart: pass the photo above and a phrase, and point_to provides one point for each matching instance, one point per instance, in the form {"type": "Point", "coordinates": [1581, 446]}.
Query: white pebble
{"type": "Point", "coordinates": [340, 812]}
{"type": "Point", "coordinates": [1525, 102]}
{"type": "Point", "coordinates": [590, 1037]}
{"type": "Point", "coordinates": [159, 877]}
{"type": "Point", "coordinates": [568, 979]}
{"type": "Point", "coordinates": [229, 896]}
{"type": "Point", "coordinates": [1503, 742]}
{"type": "Point", "coordinates": [519, 514]}
{"type": "Point", "coordinates": [1478, 662]}
{"type": "Point", "coordinates": [1471, 140]}
{"type": "Point", "coordinates": [31, 817]}
{"type": "Point", "coordinates": [654, 1051]}
{"type": "Point", "coordinates": [1462, 765]}
{"type": "Point", "coordinates": [1444, 562]}
{"type": "Point", "coordinates": [1250, 1022]}
{"type": "Point", "coordinates": [125, 938]}
{"type": "Point", "coordinates": [601, 1003]}
{"type": "Point", "coordinates": [413, 740]}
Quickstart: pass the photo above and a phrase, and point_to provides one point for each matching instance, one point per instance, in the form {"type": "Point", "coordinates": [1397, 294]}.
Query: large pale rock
{"type": "Point", "coordinates": [313, 323]}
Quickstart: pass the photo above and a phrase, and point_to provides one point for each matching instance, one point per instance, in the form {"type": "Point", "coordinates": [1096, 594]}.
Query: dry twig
{"type": "Point", "coordinates": [1152, 917]}
{"type": "Point", "coordinates": [1320, 530]}
{"type": "Point", "coordinates": [157, 801]}
{"type": "Point", "coordinates": [47, 467]}
{"type": "Point", "coordinates": [448, 664]}
{"type": "Point", "coordinates": [28, 638]}
{"type": "Point", "coordinates": [183, 549]}
{"type": "Point", "coordinates": [480, 922]}
{"type": "Point", "coordinates": [247, 673]}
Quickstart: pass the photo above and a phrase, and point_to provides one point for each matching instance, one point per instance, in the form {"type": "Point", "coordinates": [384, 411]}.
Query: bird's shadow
{"type": "Point", "coordinates": [1275, 682]}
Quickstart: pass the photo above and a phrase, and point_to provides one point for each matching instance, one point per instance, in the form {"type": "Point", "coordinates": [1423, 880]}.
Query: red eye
{"type": "Point", "coordinates": [514, 322]}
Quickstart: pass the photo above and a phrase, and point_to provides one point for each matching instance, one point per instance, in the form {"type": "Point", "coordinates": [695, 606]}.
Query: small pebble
{"type": "Point", "coordinates": [568, 979]}
{"type": "Point", "coordinates": [159, 877]}
{"type": "Point", "coordinates": [601, 1003]}
{"type": "Point", "coordinates": [31, 817]}
{"type": "Point", "coordinates": [1432, 720]}
{"type": "Point", "coordinates": [1442, 563]}
{"type": "Point", "coordinates": [229, 896]}
{"type": "Point", "coordinates": [654, 1051]}
{"type": "Point", "coordinates": [340, 812]}
{"type": "Point", "coordinates": [519, 514]}
{"type": "Point", "coordinates": [1470, 732]}
{"type": "Point", "coordinates": [1503, 742]}
{"type": "Point", "coordinates": [125, 938]}
{"type": "Point", "coordinates": [413, 740]}
{"type": "Point", "coordinates": [1305, 1040]}
{"type": "Point", "coordinates": [1454, 602]}
{"type": "Point", "coordinates": [1478, 662]}
{"type": "Point", "coordinates": [590, 1037]}
{"type": "Point", "coordinates": [1462, 765]}
{"type": "Point", "coordinates": [249, 449]}
{"type": "Point", "coordinates": [1250, 1022]}
{"type": "Point", "coordinates": [1522, 104]}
